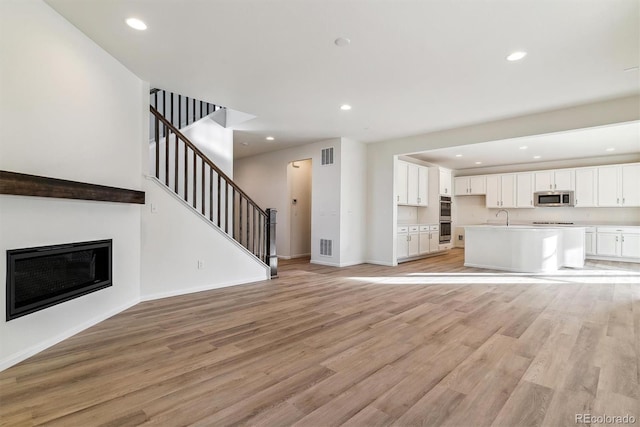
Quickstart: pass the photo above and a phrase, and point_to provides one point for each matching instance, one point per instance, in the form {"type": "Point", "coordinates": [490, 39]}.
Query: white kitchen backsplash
{"type": "Point", "coordinates": [407, 215]}
{"type": "Point", "coordinates": [469, 210]}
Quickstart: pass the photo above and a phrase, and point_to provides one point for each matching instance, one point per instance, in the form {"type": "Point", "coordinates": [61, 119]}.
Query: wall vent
{"type": "Point", "coordinates": [327, 156]}
{"type": "Point", "coordinates": [326, 247]}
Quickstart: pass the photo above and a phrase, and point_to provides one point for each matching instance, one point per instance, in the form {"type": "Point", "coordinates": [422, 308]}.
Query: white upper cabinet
{"type": "Point", "coordinates": [631, 185]}
{"type": "Point", "coordinates": [470, 185]}
{"type": "Point", "coordinates": [586, 187]}
{"type": "Point", "coordinates": [619, 185]}
{"type": "Point", "coordinates": [445, 182]}
{"type": "Point", "coordinates": [412, 183]}
{"type": "Point", "coordinates": [501, 191]}
{"type": "Point", "coordinates": [524, 190]}
{"type": "Point", "coordinates": [423, 186]}
{"type": "Point", "coordinates": [402, 193]}
{"type": "Point", "coordinates": [554, 180]}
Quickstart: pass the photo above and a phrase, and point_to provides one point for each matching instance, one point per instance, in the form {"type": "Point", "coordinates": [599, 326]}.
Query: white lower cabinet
{"type": "Point", "coordinates": [402, 240]}
{"type": "Point", "coordinates": [618, 242]}
{"type": "Point", "coordinates": [416, 240]}
{"type": "Point", "coordinates": [590, 241]}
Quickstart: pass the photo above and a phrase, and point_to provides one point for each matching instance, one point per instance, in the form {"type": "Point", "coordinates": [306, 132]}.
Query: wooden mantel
{"type": "Point", "coordinates": [32, 185]}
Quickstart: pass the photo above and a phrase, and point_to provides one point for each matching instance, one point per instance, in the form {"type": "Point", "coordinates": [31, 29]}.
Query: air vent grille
{"type": "Point", "coordinates": [326, 247]}
{"type": "Point", "coordinates": [327, 156]}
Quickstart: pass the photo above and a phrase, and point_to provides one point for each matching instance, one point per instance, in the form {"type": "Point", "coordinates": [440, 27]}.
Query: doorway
{"type": "Point", "coordinates": [299, 183]}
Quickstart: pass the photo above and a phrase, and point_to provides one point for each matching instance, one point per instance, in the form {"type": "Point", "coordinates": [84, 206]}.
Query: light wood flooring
{"type": "Point", "coordinates": [426, 343]}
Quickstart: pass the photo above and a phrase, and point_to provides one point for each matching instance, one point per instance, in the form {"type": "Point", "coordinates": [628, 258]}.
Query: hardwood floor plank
{"type": "Point", "coordinates": [428, 342]}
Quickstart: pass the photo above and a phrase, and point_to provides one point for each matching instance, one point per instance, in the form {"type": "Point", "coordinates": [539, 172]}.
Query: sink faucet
{"type": "Point", "coordinates": [505, 211]}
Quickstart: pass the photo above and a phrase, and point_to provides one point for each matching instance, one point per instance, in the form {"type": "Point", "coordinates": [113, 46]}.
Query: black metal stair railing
{"type": "Point", "coordinates": [182, 167]}
{"type": "Point", "coordinates": [180, 110]}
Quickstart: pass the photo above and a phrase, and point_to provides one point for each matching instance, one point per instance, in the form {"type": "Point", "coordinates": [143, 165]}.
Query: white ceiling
{"type": "Point", "coordinates": [413, 66]}
{"type": "Point", "coordinates": [593, 142]}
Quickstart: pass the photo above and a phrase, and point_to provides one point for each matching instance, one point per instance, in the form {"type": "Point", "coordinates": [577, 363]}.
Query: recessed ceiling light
{"type": "Point", "coordinates": [536, 157]}
{"type": "Point", "coordinates": [458, 155]}
{"type": "Point", "coordinates": [524, 147]}
{"type": "Point", "coordinates": [345, 107]}
{"type": "Point", "coordinates": [245, 143]}
{"type": "Point", "coordinates": [516, 56]}
{"type": "Point", "coordinates": [136, 24]}
{"type": "Point", "coordinates": [342, 42]}
{"type": "Point", "coordinates": [631, 69]}
{"type": "Point", "coordinates": [269, 138]}
{"type": "Point", "coordinates": [478, 163]}
{"type": "Point", "coordinates": [610, 149]}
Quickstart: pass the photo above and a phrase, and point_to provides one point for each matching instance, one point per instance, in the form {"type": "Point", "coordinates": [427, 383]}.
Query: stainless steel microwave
{"type": "Point", "coordinates": [553, 198]}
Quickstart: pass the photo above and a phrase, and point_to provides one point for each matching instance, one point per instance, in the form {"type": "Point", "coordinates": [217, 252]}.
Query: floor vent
{"type": "Point", "coordinates": [327, 156]}
{"type": "Point", "coordinates": [326, 247]}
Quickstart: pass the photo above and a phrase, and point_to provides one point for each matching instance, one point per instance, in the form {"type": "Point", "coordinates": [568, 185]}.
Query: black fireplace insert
{"type": "Point", "coordinates": [41, 277]}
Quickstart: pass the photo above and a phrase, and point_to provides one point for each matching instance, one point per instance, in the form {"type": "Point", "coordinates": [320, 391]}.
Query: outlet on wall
{"type": "Point", "coordinates": [154, 208]}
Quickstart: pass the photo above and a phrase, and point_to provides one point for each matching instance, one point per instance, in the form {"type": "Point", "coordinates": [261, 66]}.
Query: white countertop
{"type": "Point", "coordinates": [522, 226]}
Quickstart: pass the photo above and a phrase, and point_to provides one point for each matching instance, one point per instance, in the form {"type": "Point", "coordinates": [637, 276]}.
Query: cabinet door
{"type": "Point", "coordinates": [434, 241]}
{"type": "Point", "coordinates": [563, 180]}
{"type": "Point", "coordinates": [608, 244]}
{"type": "Point", "coordinates": [585, 192]}
{"type": "Point", "coordinates": [445, 182]}
{"type": "Point", "coordinates": [461, 186]}
{"type": "Point", "coordinates": [412, 184]}
{"type": "Point", "coordinates": [423, 186]}
{"type": "Point", "coordinates": [524, 190]}
{"type": "Point", "coordinates": [477, 185]}
{"type": "Point", "coordinates": [424, 243]}
{"type": "Point", "coordinates": [508, 183]}
{"type": "Point", "coordinates": [401, 183]}
{"type": "Point", "coordinates": [631, 185]}
{"type": "Point", "coordinates": [402, 246]}
{"type": "Point", "coordinates": [414, 244]}
{"type": "Point", "coordinates": [608, 186]}
{"type": "Point", "coordinates": [544, 181]}
{"type": "Point", "coordinates": [590, 243]}
{"type": "Point", "coordinates": [630, 247]}
{"type": "Point", "coordinates": [493, 191]}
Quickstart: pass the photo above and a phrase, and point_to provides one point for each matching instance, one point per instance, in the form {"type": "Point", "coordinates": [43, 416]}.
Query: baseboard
{"type": "Point", "coordinates": [179, 292]}
{"type": "Point", "coordinates": [350, 263]}
{"type": "Point", "coordinates": [608, 258]}
{"type": "Point", "coordinates": [385, 263]}
{"type": "Point", "coordinates": [327, 263]}
{"type": "Point", "coordinates": [27, 353]}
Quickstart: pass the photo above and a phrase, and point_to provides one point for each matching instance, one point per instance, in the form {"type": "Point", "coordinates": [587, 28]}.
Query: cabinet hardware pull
{"type": "Point", "coordinates": [617, 201]}
{"type": "Point", "coordinates": [397, 198]}
{"type": "Point", "coordinates": [555, 186]}
{"type": "Point", "coordinates": [616, 238]}
{"type": "Point", "coordinates": [623, 200]}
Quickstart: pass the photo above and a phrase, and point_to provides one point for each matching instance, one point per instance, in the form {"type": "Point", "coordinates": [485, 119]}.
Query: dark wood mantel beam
{"type": "Point", "coordinates": [21, 184]}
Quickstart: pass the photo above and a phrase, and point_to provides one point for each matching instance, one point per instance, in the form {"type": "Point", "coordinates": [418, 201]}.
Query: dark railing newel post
{"type": "Point", "coordinates": [271, 242]}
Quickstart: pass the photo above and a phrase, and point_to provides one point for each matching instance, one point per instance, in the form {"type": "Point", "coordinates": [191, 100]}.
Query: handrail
{"type": "Point", "coordinates": [204, 158]}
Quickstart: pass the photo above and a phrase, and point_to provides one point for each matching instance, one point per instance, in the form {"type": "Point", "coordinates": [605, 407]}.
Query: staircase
{"type": "Point", "coordinates": [180, 165]}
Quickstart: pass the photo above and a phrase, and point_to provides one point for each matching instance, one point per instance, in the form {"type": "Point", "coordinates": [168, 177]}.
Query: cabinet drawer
{"type": "Point", "coordinates": [413, 228]}
{"type": "Point", "coordinates": [424, 228]}
{"type": "Point", "coordinates": [434, 227]}
{"type": "Point", "coordinates": [403, 229]}
{"type": "Point", "coordinates": [626, 230]}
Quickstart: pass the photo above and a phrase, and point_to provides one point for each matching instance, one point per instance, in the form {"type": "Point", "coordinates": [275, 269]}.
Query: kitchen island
{"type": "Point", "coordinates": [522, 248]}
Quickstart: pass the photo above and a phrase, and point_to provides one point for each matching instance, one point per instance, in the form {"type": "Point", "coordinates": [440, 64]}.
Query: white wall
{"type": "Point", "coordinates": [214, 141]}
{"type": "Point", "coordinates": [380, 156]}
{"type": "Point", "coordinates": [175, 238]}
{"type": "Point", "coordinates": [353, 203]}
{"type": "Point", "coordinates": [300, 186]}
{"type": "Point", "coordinates": [264, 179]}
{"type": "Point", "coordinates": [71, 111]}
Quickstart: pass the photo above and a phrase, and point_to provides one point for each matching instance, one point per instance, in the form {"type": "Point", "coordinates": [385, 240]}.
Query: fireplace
{"type": "Point", "coordinates": [41, 277]}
